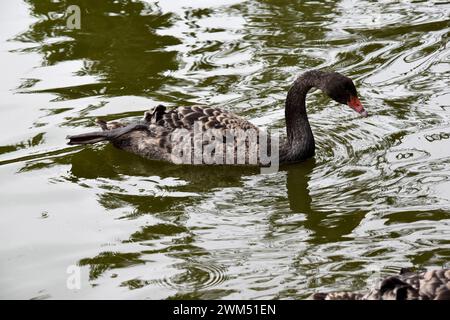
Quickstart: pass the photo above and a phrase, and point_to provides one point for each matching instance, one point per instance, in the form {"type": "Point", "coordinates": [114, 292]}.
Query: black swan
{"type": "Point", "coordinates": [408, 285]}
{"type": "Point", "coordinates": [154, 136]}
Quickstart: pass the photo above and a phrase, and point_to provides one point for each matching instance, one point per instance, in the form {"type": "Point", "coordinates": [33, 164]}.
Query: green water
{"type": "Point", "coordinates": [375, 198]}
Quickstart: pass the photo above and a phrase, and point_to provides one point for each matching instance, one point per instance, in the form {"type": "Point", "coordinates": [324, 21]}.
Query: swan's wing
{"type": "Point", "coordinates": [186, 117]}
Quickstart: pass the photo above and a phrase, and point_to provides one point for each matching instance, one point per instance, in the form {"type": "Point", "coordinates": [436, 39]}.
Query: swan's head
{"type": "Point", "coordinates": [341, 89]}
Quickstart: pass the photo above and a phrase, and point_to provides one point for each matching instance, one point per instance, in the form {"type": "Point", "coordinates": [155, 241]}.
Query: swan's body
{"type": "Point", "coordinates": [160, 133]}
{"type": "Point", "coordinates": [157, 134]}
{"type": "Point", "coordinates": [408, 285]}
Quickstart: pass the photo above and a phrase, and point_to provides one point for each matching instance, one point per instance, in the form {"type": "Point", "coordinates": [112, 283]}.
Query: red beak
{"type": "Point", "coordinates": [356, 105]}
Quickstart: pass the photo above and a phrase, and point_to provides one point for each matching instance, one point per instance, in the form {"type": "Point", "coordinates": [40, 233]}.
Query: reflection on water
{"type": "Point", "coordinates": [118, 45]}
{"type": "Point", "coordinates": [375, 198]}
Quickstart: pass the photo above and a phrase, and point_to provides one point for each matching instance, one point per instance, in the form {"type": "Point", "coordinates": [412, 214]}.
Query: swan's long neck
{"type": "Point", "coordinates": [300, 140]}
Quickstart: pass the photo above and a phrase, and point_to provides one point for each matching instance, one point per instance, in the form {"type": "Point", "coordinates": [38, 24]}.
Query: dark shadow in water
{"type": "Point", "coordinates": [325, 227]}
{"type": "Point", "coordinates": [91, 164]}
{"type": "Point", "coordinates": [109, 162]}
{"type": "Point", "coordinates": [297, 179]}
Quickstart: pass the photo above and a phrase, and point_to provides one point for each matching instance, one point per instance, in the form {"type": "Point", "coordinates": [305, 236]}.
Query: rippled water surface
{"type": "Point", "coordinates": [375, 198]}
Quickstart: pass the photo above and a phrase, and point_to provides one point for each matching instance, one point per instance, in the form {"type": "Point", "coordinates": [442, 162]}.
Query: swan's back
{"type": "Point", "coordinates": [186, 117]}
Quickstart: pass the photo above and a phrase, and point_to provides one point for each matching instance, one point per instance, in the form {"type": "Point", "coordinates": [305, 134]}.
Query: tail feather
{"type": "Point", "coordinates": [88, 138]}
{"type": "Point", "coordinates": [98, 136]}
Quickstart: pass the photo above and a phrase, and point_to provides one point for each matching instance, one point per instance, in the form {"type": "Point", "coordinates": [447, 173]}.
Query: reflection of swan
{"type": "Point", "coordinates": [110, 163]}
{"type": "Point", "coordinates": [325, 226]}
{"type": "Point", "coordinates": [158, 134]}
{"type": "Point", "coordinates": [297, 179]}
{"type": "Point", "coordinates": [408, 285]}
{"type": "Point", "coordinates": [149, 186]}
